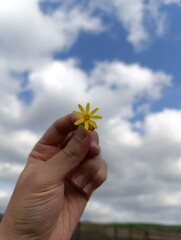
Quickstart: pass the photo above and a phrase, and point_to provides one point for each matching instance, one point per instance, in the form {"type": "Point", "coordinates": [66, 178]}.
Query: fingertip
{"type": "Point", "coordinates": [95, 136]}
{"type": "Point", "coordinates": [94, 150]}
{"type": "Point", "coordinates": [81, 133]}
{"type": "Point", "coordinates": [73, 118]}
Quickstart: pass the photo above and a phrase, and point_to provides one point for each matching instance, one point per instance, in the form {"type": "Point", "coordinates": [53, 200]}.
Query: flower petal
{"type": "Point", "coordinates": [87, 108]}
{"type": "Point", "coordinates": [93, 124]}
{"type": "Point", "coordinates": [79, 121]}
{"type": "Point", "coordinates": [85, 118]}
{"type": "Point", "coordinates": [94, 111]}
{"type": "Point", "coordinates": [86, 125]}
{"type": "Point", "coordinates": [78, 114]}
{"type": "Point", "coordinates": [96, 117]}
{"type": "Point", "coordinates": [81, 108]}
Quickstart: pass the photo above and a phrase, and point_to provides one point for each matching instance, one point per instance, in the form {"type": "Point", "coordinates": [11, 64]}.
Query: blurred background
{"type": "Point", "coordinates": [122, 56]}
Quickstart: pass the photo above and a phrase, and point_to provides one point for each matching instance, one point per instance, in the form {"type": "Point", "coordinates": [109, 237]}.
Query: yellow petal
{"type": "Point", "coordinates": [96, 117]}
{"type": "Point", "coordinates": [86, 125]}
{"type": "Point", "coordinates": [81, 108]}
{"type": "Point", "coordinates": [87, 108]}
{"type": "Point", "coordinates": [79, 121]}
{"type": "Point", "coordinates": [94, 111]}
{"type": "Point", "coordinates": [78, 114]}
{"type": "Point", "coordinates": [93, 124]}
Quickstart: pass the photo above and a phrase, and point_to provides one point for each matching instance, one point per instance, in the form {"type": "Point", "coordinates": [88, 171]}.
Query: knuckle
{"type": "Point", "coordinates": [93, 166]}
{"type": "Point", "coordinates": [103, 173]}
{"type": "Point", "coordinates": [102, 177]}
{"type": "Point", "coordinates": [95, 136]}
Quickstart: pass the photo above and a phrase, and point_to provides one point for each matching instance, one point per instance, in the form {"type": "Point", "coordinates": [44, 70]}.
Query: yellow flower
{"type": "Point", "coordinates": [86, 116]}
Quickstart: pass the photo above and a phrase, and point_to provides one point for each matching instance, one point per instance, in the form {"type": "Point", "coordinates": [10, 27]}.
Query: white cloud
{"type": "Point", "coordinates": [9, 173]}
{"type": "Point", "coordinates": [124, 134]}
{"type": "Point", "coordinates": [131, 16]}
{"type": "Point", "coordinates": [169, 120]}
{"type": "Point", "coordinates": [144, 178]}
{"type": "Point", "coordinates": [97, 211]}
{"type": "Point", "coordinates": [5, 194]}
{"type": "Point", "coordinates": [135, 77]}
{"type": "Point", "coordinates": [124, 85]}
{"type": "Point", "coordinates": [57, 87]}
{"type": "Point", "coordinates": [142, 20]}
{"type": "Point", "coordinates": [158, 18]}
{"type": "Point", "coordinates": [22, 142]}
{"type": "Point", "coordinates": [29, 37]}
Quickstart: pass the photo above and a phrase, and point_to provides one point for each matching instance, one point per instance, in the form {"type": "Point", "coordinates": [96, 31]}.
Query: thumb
{"type": "Point", "coordinates": [72, 154]}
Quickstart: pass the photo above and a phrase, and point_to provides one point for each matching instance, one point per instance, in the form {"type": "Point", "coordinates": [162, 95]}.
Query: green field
{"type": "Point", "coordinates": [126, 231]}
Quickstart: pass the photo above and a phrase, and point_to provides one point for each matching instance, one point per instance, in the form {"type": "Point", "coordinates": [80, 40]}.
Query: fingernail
{"type": "Point", "coordinates": [81, 133]}
{"type": "Point", "coordinates": [78, 180]}
{"type": "Point", "coordinates": [95, 144]}
{"type": "Point", "coordinates": [88, 188]}
{"type": "Point", "coordinates": [96, 147]}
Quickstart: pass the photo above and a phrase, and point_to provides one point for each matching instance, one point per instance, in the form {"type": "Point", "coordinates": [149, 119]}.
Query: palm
{"type": "Point", "coordinates": [69, 216]}
{"type": "Point", "coordinates": [65, 202]}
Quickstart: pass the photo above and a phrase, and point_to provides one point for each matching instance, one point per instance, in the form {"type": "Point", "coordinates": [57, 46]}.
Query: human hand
{"type": "Point", "coordinates": [62, 171]}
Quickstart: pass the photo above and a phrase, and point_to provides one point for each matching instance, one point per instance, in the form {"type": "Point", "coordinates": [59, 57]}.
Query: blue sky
{"type": "Point", "coordinates": [122, 56]}
{"type": "Point", "coordinates": [162, 53]}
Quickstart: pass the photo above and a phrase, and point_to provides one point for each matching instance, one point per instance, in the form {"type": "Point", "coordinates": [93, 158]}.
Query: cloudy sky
{"type": "Point", "coordinates": [122, 56]}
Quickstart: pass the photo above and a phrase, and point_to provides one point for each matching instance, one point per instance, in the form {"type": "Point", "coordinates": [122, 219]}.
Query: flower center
{"type": "Point", "coordinates": [86, 116]}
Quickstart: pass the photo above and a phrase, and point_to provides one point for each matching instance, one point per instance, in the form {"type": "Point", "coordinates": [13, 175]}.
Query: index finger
{"type": "Point", "coordinates": [59, 130]}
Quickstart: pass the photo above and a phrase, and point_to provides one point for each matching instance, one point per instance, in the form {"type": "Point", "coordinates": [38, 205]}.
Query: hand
{"type": "Point", "coordinates": [62, 171]}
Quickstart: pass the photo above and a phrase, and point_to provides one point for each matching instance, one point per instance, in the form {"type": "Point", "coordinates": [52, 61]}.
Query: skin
{"type": "Point", "coordinates": [63, 170]}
